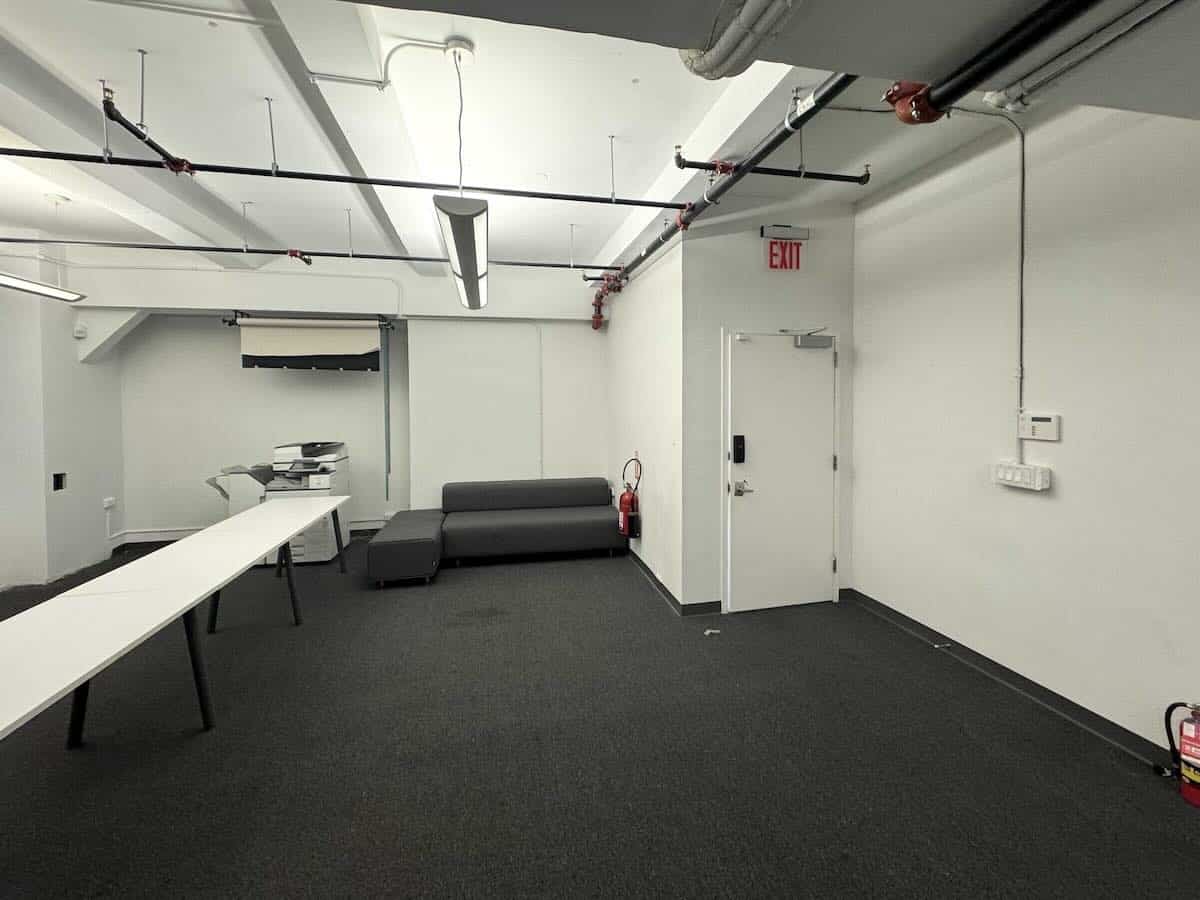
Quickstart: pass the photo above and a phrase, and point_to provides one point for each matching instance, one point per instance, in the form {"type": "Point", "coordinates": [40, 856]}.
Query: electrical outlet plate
{"type": "Point", "coordinates": [1021, 475]}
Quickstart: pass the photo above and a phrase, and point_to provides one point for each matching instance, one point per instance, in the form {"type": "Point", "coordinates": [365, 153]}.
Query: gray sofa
{"type": "Point", "coordinates": [496, 518]}
{"type": "Point", "coordinates": [408, 546]}
{"type": "Point", "coordinates": [549, 515]}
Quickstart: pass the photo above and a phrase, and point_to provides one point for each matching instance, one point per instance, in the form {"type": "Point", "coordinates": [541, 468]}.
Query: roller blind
{"type": "Point", "coordinates": [349, 344]}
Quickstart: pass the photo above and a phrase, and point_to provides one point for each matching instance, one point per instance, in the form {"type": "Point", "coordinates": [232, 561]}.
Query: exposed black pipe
{"type": "Point", "coordinates": [330, 177]}
{"type": "Point", "coordinates": [823, 94]}
{"type": "Point", "coordinates": [303, 255]}
{"type": "Point", "coordinates": [178, 164]}
{"type": "Point", "coordinates": [1006, 49]}
{"type": "Point", "coordinates": [864, 178]}
{"type": "Point", "coordinates": [175, 163]}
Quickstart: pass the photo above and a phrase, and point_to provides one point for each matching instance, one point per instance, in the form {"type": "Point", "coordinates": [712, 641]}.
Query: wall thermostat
{"type": "Point", "coordinates": [1039, 426]}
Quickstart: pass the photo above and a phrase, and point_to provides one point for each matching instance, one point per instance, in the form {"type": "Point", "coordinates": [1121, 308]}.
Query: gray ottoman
{"type": "Point", "coordinates": [409, 546]}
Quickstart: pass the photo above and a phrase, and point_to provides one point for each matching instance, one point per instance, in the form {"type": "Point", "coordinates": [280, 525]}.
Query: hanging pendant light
{"type": "Point", "coordinates": [463, 221]}
{"type": "Point", "coordinates": [464, 225]}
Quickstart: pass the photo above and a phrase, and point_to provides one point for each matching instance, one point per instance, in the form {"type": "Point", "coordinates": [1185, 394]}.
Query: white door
{"type": "Point", "coordinates": [780, 517]}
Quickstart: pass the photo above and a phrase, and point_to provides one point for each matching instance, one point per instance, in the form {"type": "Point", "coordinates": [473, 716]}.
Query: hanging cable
{"type": "Point", "coordinates": [458, 73]}
{"type": "Point", "coordinates": [612, 167]}
{"type": "Point", "coordinates": [141, 123]}
{"type": "Point", "coordinates": [1021, 242]}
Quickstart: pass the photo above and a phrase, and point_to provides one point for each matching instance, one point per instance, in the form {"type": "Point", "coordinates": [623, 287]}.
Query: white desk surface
{"type": "Point", "coordinates": [49, 650]}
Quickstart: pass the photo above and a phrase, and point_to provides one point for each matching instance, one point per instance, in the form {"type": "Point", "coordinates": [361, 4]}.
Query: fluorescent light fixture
{"type": "Point", "coordinates": [464, 225]}
{"type": "Point", "coordinates": [37, 287]}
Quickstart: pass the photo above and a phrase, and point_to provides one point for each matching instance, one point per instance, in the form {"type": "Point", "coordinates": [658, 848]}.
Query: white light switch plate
{"type": "Point", "coordinates": [1019, 475]}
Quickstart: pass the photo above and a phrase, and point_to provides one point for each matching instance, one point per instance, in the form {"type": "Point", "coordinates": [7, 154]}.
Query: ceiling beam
{"type": "Point", "coordinates": [41, 108]}
{"type": "Point", "coordinates": [286, 50]}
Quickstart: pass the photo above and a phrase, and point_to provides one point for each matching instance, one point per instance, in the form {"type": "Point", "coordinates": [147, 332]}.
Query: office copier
{"type": "Point", "coordinates": [312, 469]}
{"type": "Point", "coordinates": [298, 468]}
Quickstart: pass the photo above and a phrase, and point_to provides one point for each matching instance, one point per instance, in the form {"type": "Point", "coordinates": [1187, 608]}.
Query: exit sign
{"type": "Point", "coordinates": [783, 254]}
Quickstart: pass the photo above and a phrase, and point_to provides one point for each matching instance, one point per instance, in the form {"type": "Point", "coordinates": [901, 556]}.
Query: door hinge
{"type": "Point", "coordinates": [835, 462]}
{"type": "Point", "coordinates": [835, 564]}
{"type": "Point", "coordinates": [835, 359]}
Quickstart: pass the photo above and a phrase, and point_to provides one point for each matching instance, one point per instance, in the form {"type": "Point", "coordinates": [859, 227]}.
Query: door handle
{"type": "Point", "coordinates": [741, 488]}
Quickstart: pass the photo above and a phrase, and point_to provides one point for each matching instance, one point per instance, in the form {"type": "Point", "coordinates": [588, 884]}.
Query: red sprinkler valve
{"type": "Point", "coordinates": [683, 226]}
{"type": "Point", "coordinates": [612, 284]}
{"type": "Point", "coordinates": [910, 100]}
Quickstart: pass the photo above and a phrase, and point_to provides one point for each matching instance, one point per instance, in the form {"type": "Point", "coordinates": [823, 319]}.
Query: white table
{"type": "Point", "coordinates": [59, 645]}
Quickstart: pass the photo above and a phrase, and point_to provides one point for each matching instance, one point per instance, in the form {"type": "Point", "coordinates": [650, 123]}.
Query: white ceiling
{"type": "Point", "coordinates": [37, 203]}
{"type": "Point", "coordinates": [204, 101]}
{"type": "Point", "coordinates": [539, 107]}
{"type": "Point", "coordinates": [1154, 70]}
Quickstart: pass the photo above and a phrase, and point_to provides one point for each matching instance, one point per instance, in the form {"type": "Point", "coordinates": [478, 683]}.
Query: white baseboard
{"type": "Point", "coordinates": [149, 535]}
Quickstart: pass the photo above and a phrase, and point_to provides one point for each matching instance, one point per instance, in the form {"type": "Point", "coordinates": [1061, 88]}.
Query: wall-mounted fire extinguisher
{"type": "Point", "coordinates": [1185, 755]}
{"type": "Point", "coordinates": [629, 520]}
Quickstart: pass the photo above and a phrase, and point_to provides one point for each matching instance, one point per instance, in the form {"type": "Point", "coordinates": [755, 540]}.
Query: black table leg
{"type": "Point", "coordinates": [337, 536]}
{"type": "Point", "coordinates": [213, 605]}
{"type": "Point", "coordinates": [286, 552]}
{"type": "Point", "coordinates": [198, 672]}
{"type": "Point", "coordinates": [79, 700]}
{"type": "Point", "coordinates": [279, 562]}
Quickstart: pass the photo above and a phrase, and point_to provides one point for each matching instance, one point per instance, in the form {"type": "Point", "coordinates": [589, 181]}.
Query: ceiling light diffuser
{"type": "Point", "coordinates": [37, 287]}
{"type": "Point", "coordinates": [464, 225]}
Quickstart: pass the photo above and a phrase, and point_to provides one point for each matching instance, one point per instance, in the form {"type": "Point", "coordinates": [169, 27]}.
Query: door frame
{"type": "Point", "coordinates": [726, 442]}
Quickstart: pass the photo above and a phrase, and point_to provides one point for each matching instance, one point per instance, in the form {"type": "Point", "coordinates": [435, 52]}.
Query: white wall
{"type": "Point", "coordinates": [1087, 589]}
{"type": "Point", "coordinates": [726, 284]}
{"type": "Point", "coordinates": [575, 396]}
{"type": "Point", "coordinates": [82, 437]}
{"type": "Point", "coordinates": [23, 522]}
{"type": "Point", "coordinates": [184, 281]}
{"type": "Point", "coordinates": [645, 378]}
{"type": "Point", "coordinates": [513, 293]}
{"type": "Point", "coordinates": [189, 408]}
{"type": "Point", "coordinates": [497, 400]}
{"type": "Point", "coordinates": [56, 415]}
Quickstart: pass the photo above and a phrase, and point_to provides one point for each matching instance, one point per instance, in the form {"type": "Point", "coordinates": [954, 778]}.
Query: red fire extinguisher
{"type": "Point", "coordinates": [629, 521]}
{"type": "Point", "coordinates": [1185, 755]}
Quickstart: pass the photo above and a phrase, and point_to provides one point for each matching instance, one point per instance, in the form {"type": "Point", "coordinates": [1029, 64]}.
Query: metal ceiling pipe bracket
{"type": "Point", "coordinates": [725, 167]}
{"type": "Point", "coordinates": [141, 122]}
{"type": "Point", "coordinates": [333, 178]}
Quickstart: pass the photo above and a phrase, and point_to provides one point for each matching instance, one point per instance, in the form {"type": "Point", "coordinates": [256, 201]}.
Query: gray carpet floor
{"type": "Point", "coordinates": [551, 728]}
